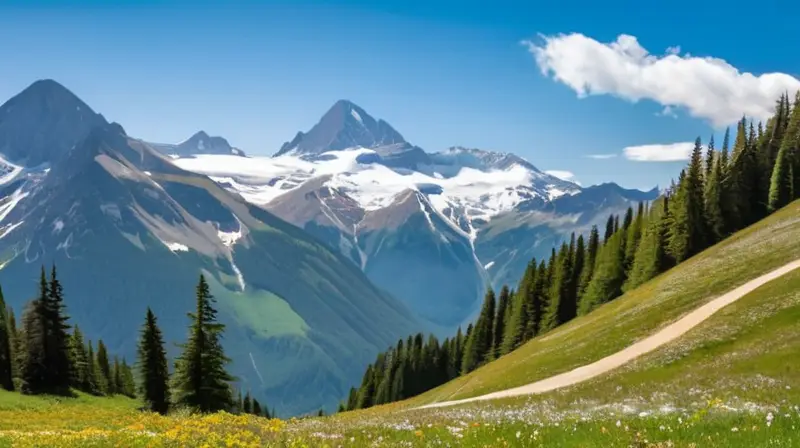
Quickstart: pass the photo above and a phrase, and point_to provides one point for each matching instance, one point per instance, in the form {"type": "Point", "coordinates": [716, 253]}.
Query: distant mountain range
{"type": "Point", "coordinates": [321, 256]}
{"type": "Point", "coordinates": [128, 229]}
{"type": "Point", "coordinates": [433, 229]}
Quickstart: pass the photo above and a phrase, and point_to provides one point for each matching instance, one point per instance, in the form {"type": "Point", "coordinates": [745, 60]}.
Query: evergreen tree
{"type": "Point", "coordinates": [499, 324]}
{"type": "Point", "coordinates": [257, 408]}
{"type": "Point", "coordinates": [58, 337]}
{"type": "Point", "coordinates": [781, 190]}
{"type": "Point", "coordinates": [651, 256]}
{"type": "Point", "coordinates": [352, 399]}
{"type": "Point", "coordinates": [6, 353]}
{"type": "Point", "coordinates": [80, 364]}
{"type": "Point", "coordinates": [247, 403]}
{"type": "Point", "coordinates": [93, 372]}
{"type": "Point", "coordinates": [688, 233]}
{"type": "Point", "coordinates": [128, 382]}
{"type": "Point", "coordinates": [152, 366]}
{"type": "Point", "coordinates": [35, 372]}
{"type": "Point", "coordinates": [591, 259]}
{"type": "Point", "coordinates": [523, 303]}
{"type": "Point", "coordinates": [201, 381]}
{"type": "Point", "coordinates": [104, 368]}
{"type": "Point", "coordinates": [562, 306]}
{"type": "Point", "coordinates": [609, 275]}
{"type": "Point", "coordinates": [479, 343]}
{"type": "Point", "coordinates": [609, 229]}
{"type": "Point", "coordinates": [709, 158]}
{"type": "Point", "coordinates": [713, 202]}
{"type": "Point", "coordinates": [632, 238]}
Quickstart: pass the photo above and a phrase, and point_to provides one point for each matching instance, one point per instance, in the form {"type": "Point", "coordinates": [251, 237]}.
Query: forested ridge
{"type": "Point", "coordinates": [720, 192]}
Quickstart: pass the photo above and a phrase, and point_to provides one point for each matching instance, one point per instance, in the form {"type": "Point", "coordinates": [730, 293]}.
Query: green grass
{"type": "Point", "coordinates": [748, 254]}
{"type": "Point", "coordinates": [263, 312]}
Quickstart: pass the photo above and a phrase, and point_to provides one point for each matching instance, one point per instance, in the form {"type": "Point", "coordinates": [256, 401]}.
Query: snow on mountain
{"type": "Point", "coordinates": [472, 192]}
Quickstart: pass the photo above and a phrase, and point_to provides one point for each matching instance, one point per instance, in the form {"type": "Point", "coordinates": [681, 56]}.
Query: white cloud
{"type": "Point", "coordinates": [706, 87]}
{"type": "Point", "coordinates": [601, 156]}
{"type": "Point", "coordinates": [672, 152]}
{"type": "Point", "coordinates": [563, 175]}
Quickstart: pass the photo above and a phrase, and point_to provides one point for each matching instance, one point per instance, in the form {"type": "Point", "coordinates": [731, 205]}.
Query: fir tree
{"type": "Point", "coordinates": [152, 366]}
{"type": "Point", "coordinates": [523, 302]}
{"type": "Point", "coordinates": [782, 184]}
{"type": "Point", "coordinates": [35, 372]}
{"type": "Point", "coordinates": [632, 238]}
{"type": "Point", "coordinates": [92, 372]}
{"type": "Point", "coordinates": [6, 353]}
{"type": "Point", "coordinates": [257, 408]}
{"type": "Point", "coordinates": [688, 233]}
{"type": "Point", "coordinates": [80, 363]}
{"type": "Point", "coordinates": [17, 348]}
{"type": "Point", "coordinates": [562, 306]}
{"type": "Point", "coordinates": [709, 158]}
{"type": "Point", "coordinates": [651, 256]}
{"type": "Point", "coordinates": [247, 403]}
{"type": "Point", "coordinates": [591, 259]}
{"type": "Point", "coordinates": [58, 337]}
{"type": "Point", "coordinates": [499, 324]}
{"type": "Point", "coordinates": [713, 202]}
{"type": "Point", "coordinates": [201, 381]}
{"type": "Point", "coordinates": [479, 343]}
{"type": "Point", "coordinates": [104, 368]}
{"type": "Point", "coordinates": [609, 275]}
{"type": "Point", "coordinates": [609, 229]}
{"type": "Point", "coordinates": [128, 382]}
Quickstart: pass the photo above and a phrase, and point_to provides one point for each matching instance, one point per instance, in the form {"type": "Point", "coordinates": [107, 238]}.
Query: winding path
{"type": "Point", "coordinates": [611, 362]}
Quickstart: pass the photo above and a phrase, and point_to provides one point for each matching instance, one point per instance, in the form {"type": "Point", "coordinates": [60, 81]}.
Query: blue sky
{"type": "Point", "coordinates": [442, 73]}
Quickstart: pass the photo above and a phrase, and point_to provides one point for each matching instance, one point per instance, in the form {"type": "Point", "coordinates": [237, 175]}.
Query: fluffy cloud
{"type": "Point", "coordinates": [707, 87]}
{"type": "Point", "coordinates": [601, 156]}
{"type": "Point", "coordinates": [659, 153]}
{"type": "Point", "coordinates": [563, 175]}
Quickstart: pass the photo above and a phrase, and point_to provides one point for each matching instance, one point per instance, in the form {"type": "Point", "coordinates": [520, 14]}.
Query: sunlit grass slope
{"type": "Point", "coordinates": [750, 253]}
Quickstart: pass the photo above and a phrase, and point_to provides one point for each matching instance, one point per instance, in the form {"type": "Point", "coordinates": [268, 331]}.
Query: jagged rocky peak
{"type": "Point", "coordinates": [345, 125]}
{"type": "Point", "coordinates": [199, 143]}
{"type": "Point", "coordinates": [44, 121]}
{"type": "Point", "coordinates": [481, 159]}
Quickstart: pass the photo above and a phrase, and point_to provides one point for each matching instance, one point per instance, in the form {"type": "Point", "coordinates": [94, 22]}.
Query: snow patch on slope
{"type": "Point", "coordinates": [13, 200]}
{"type": "Point", "coordinates": [176, 247]}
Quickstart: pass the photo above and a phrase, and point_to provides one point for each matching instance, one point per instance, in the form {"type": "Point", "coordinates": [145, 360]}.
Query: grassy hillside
{"type": "Point", "coordinates": [750, 253]}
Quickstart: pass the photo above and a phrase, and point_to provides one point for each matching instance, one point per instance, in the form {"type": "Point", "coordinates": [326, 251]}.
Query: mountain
{"type": "Point", "coordinates": [45, 105]}
{"type": "Point", "coordinates": [199, 143]}
{"type": "Point", "coordinates": [129, 229]}
{"type": "Point", "coordinates": [345, 125]}
{"type": "Point", "coordinates": [433, 229]}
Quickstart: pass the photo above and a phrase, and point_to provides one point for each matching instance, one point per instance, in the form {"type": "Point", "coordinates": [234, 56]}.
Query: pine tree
{"type": "Point", "coordinates": [782, 184]}
{"type": "Point", "coordinates": [709, 158]}
{"type": "Point", "coordinates": [479, 343]}
{"type": "Point", "coordinates": [35, 372]}
{"type": "Point", "coordinates": [59, 337]}
{"type": "Point", "coordinates": [104, 366]}
{"type": "Point", "coordinates": [201, 381]}
{"type": "Point", "coordinates": [713, 202]}
{"type": "Point", "coordinates": [6, 353]}
{"type": "Point", "coordinates": [562, 306]}
{"type": "Point", "coordinates": [247, 403]}
{"type": "Point", "coordinates": [257, 408]}
{"type": "Point", "coordinates": [352, 399]}
{"type": "Point", "coordinates": [609, 229]}
{"type": "Point", "coordinates": [632, 238]}
{"type": "Point", "coordinates": [688, 233]}
{"type": "Point", "coordinates": [80, 364]}
{"type": "Point", "coordinates": [591, 259]}
{"type": "Point", "coordinates": [651, 256]}
{"type": "Point", "coordinates": [499, 325]}
{"type": "Point", "coordinates": [609, 275]}
{"type": "Point", "coordinates": [93, 372]}
{"type": "Point", "coordinates": [152, 366]}
{"type": "Point", "coordinates": [523, 302]}
{"type": "Point", "coordinates": [128, 382]}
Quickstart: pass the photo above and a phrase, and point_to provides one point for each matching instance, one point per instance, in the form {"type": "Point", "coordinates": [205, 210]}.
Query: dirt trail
{"type": "Point", "coordinates": [611, 362]}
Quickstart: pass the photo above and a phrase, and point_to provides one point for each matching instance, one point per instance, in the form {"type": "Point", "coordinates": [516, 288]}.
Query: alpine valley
{"type": "Point", "coordinates": [321, 256]}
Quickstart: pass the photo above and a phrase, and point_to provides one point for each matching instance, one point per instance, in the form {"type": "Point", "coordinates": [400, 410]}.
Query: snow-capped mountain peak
{"type": "Point", "coordinates": [345, 125]}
